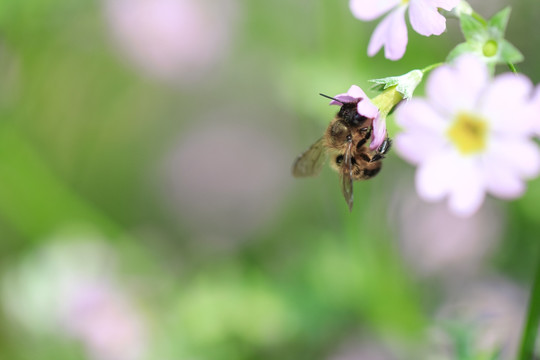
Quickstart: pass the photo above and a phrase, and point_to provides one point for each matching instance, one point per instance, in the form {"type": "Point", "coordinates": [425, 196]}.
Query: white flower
{"type": "Point", "coordinates": [471, 136]}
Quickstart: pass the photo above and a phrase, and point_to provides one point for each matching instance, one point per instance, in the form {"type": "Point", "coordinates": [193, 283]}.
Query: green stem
{"type": "Point", "coordinates": [431, 67]}
{"type": "Point", "coordinates": [533, 319]}
{"type": "Point", "coordinates": [512, 68]}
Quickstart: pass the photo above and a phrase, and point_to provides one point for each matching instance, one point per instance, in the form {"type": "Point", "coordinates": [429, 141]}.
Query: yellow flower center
{"type": "Point", "coordinates": [468, 133]}
{"type": "Point", "coordinates": [490, 48]}
{"type": "Point", "coordinates": [403, 2]}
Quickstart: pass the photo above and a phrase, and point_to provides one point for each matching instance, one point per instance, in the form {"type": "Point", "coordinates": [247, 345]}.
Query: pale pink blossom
{"type": "Point", "coordinates": [391, 33]}
{"type": "Point", "coordinates": [471, 136]}
{"type": "Point", "coordinates": [367, 109]}
{"type": "Point", "coordinates": [103, 319]}
{"type": "Point", "coordinates": [71, 289]}
{"type": "Point", "coordinates": [224, 210]}
{"type": "Point", "coordinates": [172, 39]}
{"type": "Point", "coordinates": [436, 243]}
{"type": "Point", "coordinates": [379, 132]}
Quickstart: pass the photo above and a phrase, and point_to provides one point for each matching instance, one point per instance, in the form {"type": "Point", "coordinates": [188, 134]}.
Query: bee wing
{"type": "Point", "coordinates": [310, 162]}
{"type": "Point", "coordinates": [346, 181]}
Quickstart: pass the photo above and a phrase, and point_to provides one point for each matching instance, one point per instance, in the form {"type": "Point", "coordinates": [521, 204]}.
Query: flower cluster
{"type": "Point", "coordinates": [471, 135]}
{"type": "Point", "coordinates": [474, 133]}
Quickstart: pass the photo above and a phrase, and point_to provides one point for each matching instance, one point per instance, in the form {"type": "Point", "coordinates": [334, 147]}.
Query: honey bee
{"type": "Point", "coordinates": [346, 139]}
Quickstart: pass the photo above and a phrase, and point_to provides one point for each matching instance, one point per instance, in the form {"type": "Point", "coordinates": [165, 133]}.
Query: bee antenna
{"type": "Point", "coordinates": [331, 98]}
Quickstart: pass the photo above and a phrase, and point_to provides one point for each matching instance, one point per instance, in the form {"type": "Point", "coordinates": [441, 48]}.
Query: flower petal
{"type": "Point", "coordinates": [379, 132]}
{"type": "Point", "coordinates": [369, 9]}
{"type": "Point", "coordinates": [504, 185]}
{"type": "Point", "coordinates": [417, 115]}
{"type": "Point", "coordinates": [457, 88]}
{"type": "Point", "coordinates": [436, 173]}
{"type": "Point", "coordinates": [368, 109]}
{"type": "Point", "coordinates": [354, 94]}
{"type": "Point", "coordinates": [520, 156]}
{"type": "Point", "coordinates": [392, 34]}
{"type": "Point", "coordinates": [425, 18]}
{"type": "Point", "coordinates": [500, 181]}
{"type": "Point", "coordinates": [447, 173]}
{"type": "Point", "coordinates": [416, 146]}
{"type": "Point", "coordinates": [468, 189]}
{"type": "Point", "coordinates": [423, 130]}
{"type": "Point", "coordinates": [506, 104]}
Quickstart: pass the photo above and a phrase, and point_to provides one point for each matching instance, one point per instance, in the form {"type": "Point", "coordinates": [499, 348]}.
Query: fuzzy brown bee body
{"type": "Point", "coordinates": [365, 163]}
{"type": "Point", "coordinates": [346, 126]}
{"type": "Point", "coordinates": [346, 140]}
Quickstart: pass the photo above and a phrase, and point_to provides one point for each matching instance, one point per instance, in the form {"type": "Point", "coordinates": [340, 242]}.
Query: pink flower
{"type": "Point", "coordinates": [392, 31]}
{"type": "Point", "coordinates": [104, 320]}
{"type": "Point", "coordinates": [436, 243]}
{"type": "Point", "coordinates": [365, 108]}
{"type": "Point", "coordinates": [472, 135]}
{"type": "Point", "coordinates": [172, 39]}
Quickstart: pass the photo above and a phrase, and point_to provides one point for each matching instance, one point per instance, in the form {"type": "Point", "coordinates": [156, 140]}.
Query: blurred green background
{"type": "Point", "coordinates": [147, 209]}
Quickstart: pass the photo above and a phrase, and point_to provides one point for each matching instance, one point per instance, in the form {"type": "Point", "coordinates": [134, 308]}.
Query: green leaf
{"type": "Point", "coordinates": [385, 83]}
{"type": "Point", "coordinates": [472, 29]}
{"type": "Point", "coordinates": [509, 53]}
{"type": "Point", "coordinates": [405, 84]}
{"type": "Point", "coordinates": [499, 21]}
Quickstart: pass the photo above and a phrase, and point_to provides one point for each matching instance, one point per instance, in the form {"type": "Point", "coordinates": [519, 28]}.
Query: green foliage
{"type": "Point", "coordinates": [486, 39]}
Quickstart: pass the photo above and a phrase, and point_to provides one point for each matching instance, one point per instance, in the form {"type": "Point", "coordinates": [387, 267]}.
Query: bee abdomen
{"type": "Point", "coordinates": [369, 173]}
{"type": "Point", "coordinates": [363, 173]}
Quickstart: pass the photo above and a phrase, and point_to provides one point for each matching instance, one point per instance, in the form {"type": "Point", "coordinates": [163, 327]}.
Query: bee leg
{"type": "Point", "coordinates": [385, 146]}
{"type": "Point", "coordinates": [382, 150]}
{"type": "Point", "coordinates": [377, 157]}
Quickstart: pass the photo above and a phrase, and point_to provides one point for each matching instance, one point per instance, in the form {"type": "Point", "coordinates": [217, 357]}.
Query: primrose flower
{"type": "Point", "coordinates": [472, 135]}
{"type": "Point", "coordinates": [365, 108]}
{"type": "Point", "coordinates": [392, 30]}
